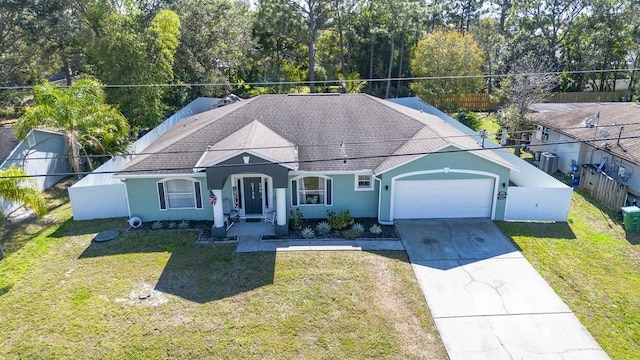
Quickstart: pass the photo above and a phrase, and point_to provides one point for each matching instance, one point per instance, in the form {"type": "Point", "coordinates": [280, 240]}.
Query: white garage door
{"type": "Point", "coordinates": [421, 199]}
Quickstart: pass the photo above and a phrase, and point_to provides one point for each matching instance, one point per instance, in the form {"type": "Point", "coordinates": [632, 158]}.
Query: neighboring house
{"type": "Point", "coordinates": [604, 137]}
{"type": "Point", "coordinates": [276, 153]}
{"type": "Point", "coordinates": [43, 155]}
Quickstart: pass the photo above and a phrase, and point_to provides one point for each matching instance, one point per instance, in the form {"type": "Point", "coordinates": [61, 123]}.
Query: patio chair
{"type": "Point", "coordinates": [270, 216]}
{"type": "Point", "coordinates": [230, 215]}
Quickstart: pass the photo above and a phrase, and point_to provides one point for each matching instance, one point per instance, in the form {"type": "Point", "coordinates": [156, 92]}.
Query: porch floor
{"type": "Point", "coordinates": [243, 228]}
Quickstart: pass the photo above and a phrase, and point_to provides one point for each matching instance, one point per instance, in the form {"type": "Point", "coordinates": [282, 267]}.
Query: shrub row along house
{"type": "Point", "coordinates": [274, 153]}
{"type": "Point", "coordinates": [598, 144]}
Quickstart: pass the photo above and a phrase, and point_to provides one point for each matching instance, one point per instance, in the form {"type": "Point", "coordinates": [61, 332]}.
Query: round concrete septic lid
{"type": "Point", "coordinates": [106, 235]}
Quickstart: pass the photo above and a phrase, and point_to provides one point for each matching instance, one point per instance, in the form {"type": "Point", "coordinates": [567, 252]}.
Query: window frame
{"type": "Point", "coordinates": [356, 185]}
{"type": "Point", "coordinates": [328, 190]}
{"type": "Point", "coordinates": [163, 194]}
{"type": "Point", "coordinates": [31, 140]}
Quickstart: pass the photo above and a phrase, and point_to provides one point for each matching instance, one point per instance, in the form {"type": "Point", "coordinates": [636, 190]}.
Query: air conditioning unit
{"type": "Point", "coordinates": [549, 162]}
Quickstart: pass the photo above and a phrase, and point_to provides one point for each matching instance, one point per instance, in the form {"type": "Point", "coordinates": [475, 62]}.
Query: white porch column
{"type": "Point", "coordinates": [218, 216]}
{"type": "Point", "coordinates": [281, 206]}
{"type": "Point", "coordinates": [281, 210]}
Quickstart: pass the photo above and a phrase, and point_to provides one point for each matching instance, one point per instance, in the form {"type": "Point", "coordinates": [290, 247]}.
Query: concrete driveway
{"type": "Point", "coordinates": [487, 301]}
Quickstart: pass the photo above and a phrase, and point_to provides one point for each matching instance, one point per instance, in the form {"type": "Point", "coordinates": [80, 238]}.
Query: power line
{"type": "Point", "coordinates": [325, 145]}
{"type": "Point", "coordinates": [342, 159]}
{"type": "Point", "coordinates": [319, 82]}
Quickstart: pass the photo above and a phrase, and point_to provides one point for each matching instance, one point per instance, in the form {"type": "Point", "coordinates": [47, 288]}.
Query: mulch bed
{"type": "Point", "coordinates": [388, 231]}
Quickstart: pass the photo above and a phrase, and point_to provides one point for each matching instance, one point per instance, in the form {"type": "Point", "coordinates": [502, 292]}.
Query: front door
{"type": "Point", "coordinates": [252, 196]}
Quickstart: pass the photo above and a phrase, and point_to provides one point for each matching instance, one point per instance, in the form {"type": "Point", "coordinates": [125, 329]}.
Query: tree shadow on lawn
{"type": "Point", "coordinates": [613, 218]}
{"type": "Point", "coordinates": [83, 227]}
{"type": "Point", "coordinates": [194, 272]}
{"type": "Point", "coordinates": [559, 230]}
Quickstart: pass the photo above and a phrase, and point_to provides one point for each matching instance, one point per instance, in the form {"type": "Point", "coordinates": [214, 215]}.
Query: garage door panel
{"type": "Point", "coordinates": [416, 199]}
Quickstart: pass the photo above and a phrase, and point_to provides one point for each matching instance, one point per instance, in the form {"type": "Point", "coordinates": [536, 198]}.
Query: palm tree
{"type": "Point", "coordinates": [14, 187]}
{"type": "Point", "coordinates": [89, 124]}
{"type": "Point", "coordinates": [352, 83]}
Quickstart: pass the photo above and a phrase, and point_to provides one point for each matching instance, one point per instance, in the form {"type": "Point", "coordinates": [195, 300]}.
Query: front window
{"type": "Point", "coordinates": [364, 182]}
{"type": "Point", "coordinates": [311, 190]}
{"type": "Point", "coordinates": [179, 194]}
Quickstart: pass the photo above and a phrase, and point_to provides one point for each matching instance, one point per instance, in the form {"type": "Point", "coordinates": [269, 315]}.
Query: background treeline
{"type": "Point", "coordinates": [227, 42]}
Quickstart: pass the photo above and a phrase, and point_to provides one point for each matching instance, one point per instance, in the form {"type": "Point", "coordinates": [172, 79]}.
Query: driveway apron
{"type": "Point", "coordinates": [486, 299]}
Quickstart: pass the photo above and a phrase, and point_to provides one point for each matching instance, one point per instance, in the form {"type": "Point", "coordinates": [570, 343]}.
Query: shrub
{"type": "Point", "coordinates": [339, 221]}
{"type": "Point", "coordinates": [307, 233]}
{"type": "Point", "coordinates": [350, 234]}
{"type": "Point", "coordinates": [295, 219]}
{"type": "Point", "coordinates": [323, 228]}
{"type": "Point", "coordinates": [172, 225]}
{"type": "Point", "coordinates": [157, 225]}
{"type": "Point", "coordinates": [375, 229]}
{"type": "Point", "coordinates": [468, 118]}
{"type": "Point", "coordinates": [183, 224]}
{"type": "Point", "coordinates": [358, 227]}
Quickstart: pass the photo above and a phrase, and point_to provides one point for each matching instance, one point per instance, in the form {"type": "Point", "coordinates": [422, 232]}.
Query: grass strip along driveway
{"type": "Point", "coordinates": [158, 294]}
{"type": "Point", "coordinates": [595, 268]}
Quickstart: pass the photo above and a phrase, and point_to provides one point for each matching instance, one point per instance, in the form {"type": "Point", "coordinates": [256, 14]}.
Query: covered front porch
{"type": "Point", "coordinates": [248, 195]}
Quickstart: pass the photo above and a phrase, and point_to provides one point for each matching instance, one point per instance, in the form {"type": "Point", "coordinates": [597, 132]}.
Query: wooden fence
{"type": "Point", "coordinates": [471, 102]}
{"type": "Point", "coordinates": [484, 102]}
{"type": "Point", "coordinates": [603, 188]}
{"type": "Point", "coordinates": [582, 97]}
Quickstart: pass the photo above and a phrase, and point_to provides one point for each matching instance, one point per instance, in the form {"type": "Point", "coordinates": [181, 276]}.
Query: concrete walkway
{"type": "Point", "coordinates": [248, 244]}
{"type": "Point", "coordinates": [487, 301]}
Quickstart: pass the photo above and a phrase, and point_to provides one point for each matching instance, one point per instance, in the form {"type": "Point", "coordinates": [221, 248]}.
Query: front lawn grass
{"type": "Point", "coordinates": [158, 294]}
{"type": "Point", "coordinates": [595, 268]}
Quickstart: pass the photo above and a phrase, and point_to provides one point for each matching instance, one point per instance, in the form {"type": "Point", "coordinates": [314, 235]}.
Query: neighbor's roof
{"type": "Point", "coordinates": [547, 107]}
{"type": "Point", "coordinates": [364, 129]}
{"type": "Point", "coordinates": [8, 142]}
{"type": "Point", "coordinates": [613, 117]}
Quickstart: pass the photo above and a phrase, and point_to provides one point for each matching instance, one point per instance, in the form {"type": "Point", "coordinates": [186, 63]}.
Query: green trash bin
{"type": "Point", "coordinates": [631, 218]}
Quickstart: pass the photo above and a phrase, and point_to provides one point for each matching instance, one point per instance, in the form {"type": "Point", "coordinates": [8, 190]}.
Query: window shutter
{"type": "Point", "coordinates": [196, 185]}
{"type": "Point", "coordinates": [329, 200]}
{"type": "Point", "coordinates": [294, 192]}
{"type": "Point", "coordinates": [163, 204]}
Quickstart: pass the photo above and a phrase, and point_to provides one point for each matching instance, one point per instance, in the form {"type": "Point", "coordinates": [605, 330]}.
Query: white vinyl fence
{"type": "Point", "coordinates": [99, 196]}
{"type": "Point", "coordinates": [538, 203]}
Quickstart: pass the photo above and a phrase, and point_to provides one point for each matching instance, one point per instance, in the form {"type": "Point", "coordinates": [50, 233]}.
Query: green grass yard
{"type": "Point", "coordinates": [160, 295]}
{"type": "Point", "coordinates": [64, 297]}
{"type": "Point", "coordinates": [595, 268]}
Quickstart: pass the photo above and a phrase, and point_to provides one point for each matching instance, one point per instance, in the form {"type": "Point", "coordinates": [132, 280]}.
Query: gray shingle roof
{"type": "Point", "coordinates": [368, 128]}
{"type": "Point", "coordinates": [612, 117]}
{"type": "Point", "coordinates": [260, 139]}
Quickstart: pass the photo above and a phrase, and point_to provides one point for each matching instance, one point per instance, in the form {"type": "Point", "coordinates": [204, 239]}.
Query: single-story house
{"type": "Point", "coordinates": [43, 154]}
{"type": "Point", "coordinates": [313, 153]}
{"type": "Point", "coordinates": [601, 137]}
